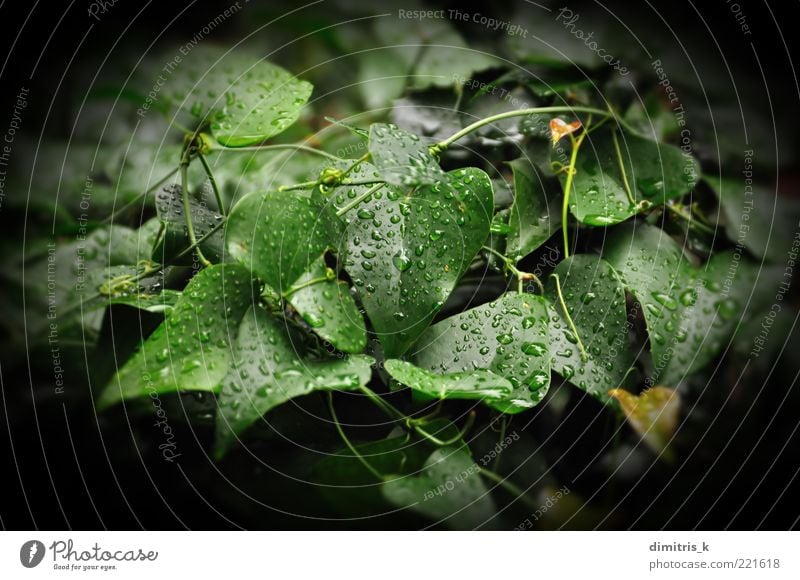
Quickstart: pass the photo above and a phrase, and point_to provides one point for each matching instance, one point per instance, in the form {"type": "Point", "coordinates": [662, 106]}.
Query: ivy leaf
{"type": "Point", "coordinates": [756, 217]}
{"type": "Point", "coordinates": [475, 384]}
{"type": "Point", "coordinates": [190, 350]}
{"type": "Point", "coordinates": [245, 99]}
{"type": "Point", "coordinates": [655, 173]}
{"type": "Point", "coordinates": [688, 313]}
{"type": "Point", "coordinates": [175, 237]}
{"type": "Point", "coordinates": [278, 235]}
{"type": "Point", "coordinates": [508, 337]}
{"type": "Point", "coordinates": [381, 77]}
{"type": "Point", "coordinates": [652, 414]}
{"type": "Point", "coordinates": [406, 253]}
{"type": "Point", "coordinates": [595, 299]}
{"type": "Point", "coordinates": [438, 53]}
{"type": "Point", "coordinates": [402, 158]}
{"type": "Point", "coordinates": [329, 308]}
{"type": "Point", "coordinates": [449, 490]}
{"type": "Point", "coordinates": [268, 370]}
{"type": "Point", "coordinates": [535, 214]}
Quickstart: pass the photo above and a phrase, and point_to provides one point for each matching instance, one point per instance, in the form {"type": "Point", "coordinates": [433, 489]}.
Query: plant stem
{"type": "Point", "coordinates": [509, 264]}
{"type": "Point", "coordinates": [303, 185]}
{"type": "Point", "coordinates": [306, 284]}
{"type": "Point", "coordinates": [359, 199]}
{"type": "Point", "coordinates": [573, 158]}
{"type": "Point", "coordinates": [627, 185]}
{"type": "Point", "coordinates": [387, 407]}
{"type": "Point", "coordinates": [688, 217]}
{"type": "Point", "coordinates": [213, 181]}
{"type": "Point", "coordinates": [187, 210]}
{"type": "Point", "coordinates": [519, 113]}
{"type": "Point", "coordinates": [454, 439]}
{"type": "Point", "coordinates": [350, 446]}
{"type": "Point", "coordinates": [296, 147]}
{"type": "Point", "coordinates": [584, 356]}
{"type": "Point", "coordinates": [510, 487]}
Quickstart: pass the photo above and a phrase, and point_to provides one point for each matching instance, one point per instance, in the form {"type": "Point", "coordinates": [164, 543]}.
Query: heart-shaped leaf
{"type": "Point", "coordinates": [449, 490]}
{"type": "Point", "coordinates": [175, 237]}
{"type": "Point", "coordinates": [535, 215]}
{"type": "Point", "coordinates": [655, 173]}
{"type": "Point", "coordinates": [508, 337]}
{"type": "Point", "coordinates": [268, 370]}
{"type": "Point", "coordinates": [328, 307]}
{"type": "Point", "coordinates": [688, 311]}
{"type": "Point", "coordinates": [402, 158]}
{"type": "Point", "coordinates": [405, 253]}
{"type": "Point", "coordinates": [437, 52]}
{"type": "Point", "coordinates": [190, 350]}
{"type": "Point", "coordinates": [279, 235]}
{"type": "Point", "coordinates": [653, 414]}
{"type": "Point", "coordinates": [475, 384]}
{"type": "Point", "coordinates": [597, 359]}
{"type": "Point", "coordinates": [245, 99]}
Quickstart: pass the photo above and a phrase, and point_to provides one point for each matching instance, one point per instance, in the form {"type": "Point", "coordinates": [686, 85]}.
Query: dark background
{"type": "Point", "coordinates": [64, 467]}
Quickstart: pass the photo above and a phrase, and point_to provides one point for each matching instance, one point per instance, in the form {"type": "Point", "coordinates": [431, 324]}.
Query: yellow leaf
{"type": "Point", "coordinates": [653, 414]}
{"type": "Point", "coordinates": [559, 129]}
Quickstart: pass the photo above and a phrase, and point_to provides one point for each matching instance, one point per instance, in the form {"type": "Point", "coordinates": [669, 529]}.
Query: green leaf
{"type": "Point", "coordinates": [279, 235]}
{"type": "Point", "coordinates": [449, 490]}
{"type": "Point", "coordinates": [655, 172]}
{"type": "Point", "coordinates": [175, 238]}
{"type": "Point", "coordinates": [406, 253]}
{"type": "Point", "coordinates": [595, 299]}
{"type": "Point", "coordinates": [508, 337]}
{"type": "Point", "coordinates": [402, 158]}
{"type": "Point", "coordinates": [268, 370]}
{"type": "Point", "coordinates": [688, 311]}
{"type": "Point", "coordinates": [381, 77]}
{"type": "Point", "coordinates": [475, 384]}
{"type": "Point", "coordinates": [245, 99]}
{"type": "Point", "coordinates": [329, 309]}
{"type": "Point", "coordinates": [190, 350]}
{"type": "Point", "coordinates": [535, 215]}
{"type": "Point", "coordinates": [756, 217]}
{"type": "Point", "coordinates": [438, 53]}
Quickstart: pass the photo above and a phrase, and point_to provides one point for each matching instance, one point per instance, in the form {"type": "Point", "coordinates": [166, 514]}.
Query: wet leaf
{"type": "Point", "coordinates": [405, 253]}
{"type": "Point", "coordinates": [402, 158]}
{"type": "Point", "coordinates": [269, 369]}
{"type": "Point", "coordinates": [652, 414]}
{"type": "Point", "coordinates": [508, 337]}
{"type": "Point", "coordinates": [279, 235]}
{"type": "Point", "coordinates": [595, 299]}
{"type": "Point", "coordinates": [175, 237]}
{"type": "Point", "coordinates": [474, 384]}
{"type": "Point", "coordinates": [449, 490]}
{"type": "Point", "coordinates": [689, 312]}
{"type": "Point", "coordinates": [163, 302]}
{"type": "Point", "coordinates": [536, 213]}
{"type": "Point", "coordinates": [330, 310]}
{"type": "Point", "coordinates": [245, 99]}
{"type": "Point", "coordinates": [190, 350]}
{"type": "Point", "coordinates": [655, 174]}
